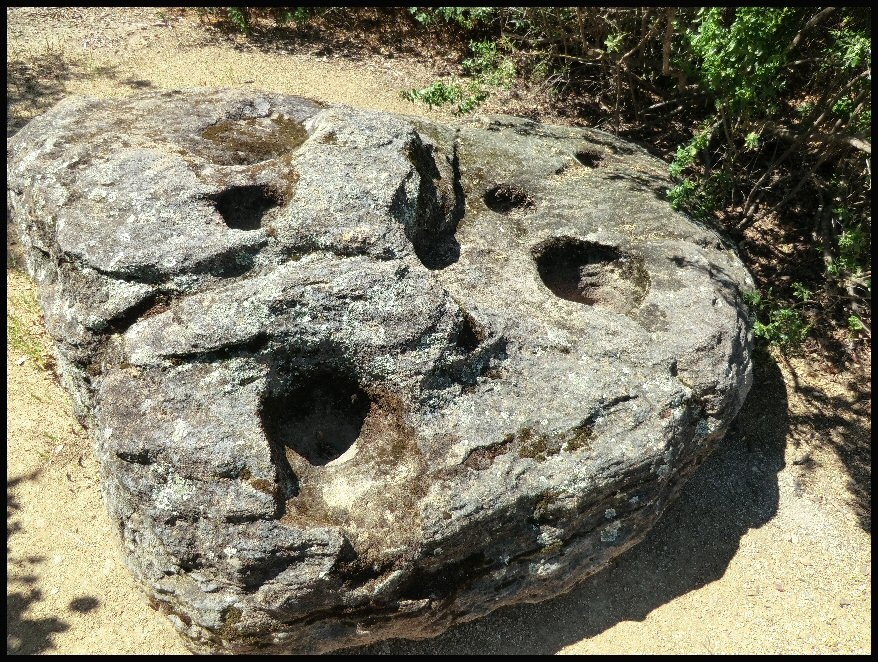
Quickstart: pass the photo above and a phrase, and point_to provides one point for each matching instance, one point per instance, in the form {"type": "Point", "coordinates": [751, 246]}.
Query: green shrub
{"type": "Point", "coordinates": [489, 66]}
{"type": "Point", "coordinates": [435, 94]}
{"type": "Point", "coordinates": [489, 69]}
{"type": "Point", "coordinates": [780, 323]}
{"type": "Point", "coordinates": [465, 17]}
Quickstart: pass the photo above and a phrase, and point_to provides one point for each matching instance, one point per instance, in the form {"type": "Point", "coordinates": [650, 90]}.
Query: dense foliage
{"type": "Point", "coordinates": [765, 113]}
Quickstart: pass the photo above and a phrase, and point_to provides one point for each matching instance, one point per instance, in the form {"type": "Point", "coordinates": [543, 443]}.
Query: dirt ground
{"type": "Point", "coordinates": [768, 550]}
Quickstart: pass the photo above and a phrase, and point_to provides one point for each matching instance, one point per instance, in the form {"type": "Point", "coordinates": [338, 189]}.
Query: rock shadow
{"type": "Point", "coordinates": [33, 85]}
{"type": "Point", "coordinates": [37, 81]}
{"type": "Point", "coordinates": [639, 182]}
{"type": "Point", "coordinates": [440, 206]}
{"type": "Point", "coordinates": [736, 489]}
{"type": "Point", "coordinates": [849, 417]}
{"type": "Point", "coordinates": [26, 635]}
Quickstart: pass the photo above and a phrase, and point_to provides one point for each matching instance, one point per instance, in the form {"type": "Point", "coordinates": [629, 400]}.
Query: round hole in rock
{"type": "Point", "coordinates": [318, 416]}
{"type": "Point", "coordinates": [505, 198]}
{"type": "Point", "coordinates": [246, 207]}
{"type": "Point", "coordinates": [470, 335]}
{"type": "Point", "coordinates": [588, 159]}
{"type": "Point", "coordinates": [592, 274]}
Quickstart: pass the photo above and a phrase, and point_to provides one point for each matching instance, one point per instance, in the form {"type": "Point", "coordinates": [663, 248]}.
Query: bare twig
{"type": "Point", "coordinates": [797, 142]}
{"type": "Point", "coordinates": [646, 37]}
{"type": "Point", "coordinates": [666, 45]}
{"type": "Point", "coordinates": [828, 138]}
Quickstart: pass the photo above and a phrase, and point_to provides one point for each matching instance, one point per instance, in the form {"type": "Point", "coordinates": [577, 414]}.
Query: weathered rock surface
{"type": "Point", "coordinates": [355, 376]}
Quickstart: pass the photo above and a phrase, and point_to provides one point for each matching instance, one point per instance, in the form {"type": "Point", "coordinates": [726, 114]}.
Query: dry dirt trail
{"type": "Point", "coordinates": [768, 549]}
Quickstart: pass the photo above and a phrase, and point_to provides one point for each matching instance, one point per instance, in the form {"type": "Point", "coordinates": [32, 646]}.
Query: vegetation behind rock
{"type": "Point", "coordinates": [764, 114]}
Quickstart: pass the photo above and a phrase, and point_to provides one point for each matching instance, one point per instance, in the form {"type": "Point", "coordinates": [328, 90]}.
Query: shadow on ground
{"type": "Point", "coordinates": [353, 33]}
{"type": "Point", "coordinates": [38, 81]}
{"type": "Point", "coordinates": [692, 545]}
{"type": "Point", "coordinates": [841, 422]}
{"type": "Point", "coordinates": [26, 634]}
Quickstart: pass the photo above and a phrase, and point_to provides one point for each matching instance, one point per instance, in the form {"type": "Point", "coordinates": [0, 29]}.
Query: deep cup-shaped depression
{"type": "Point", "coordinates": [247, 207]}
{"type": "Point", "coordinates": [318, 417]}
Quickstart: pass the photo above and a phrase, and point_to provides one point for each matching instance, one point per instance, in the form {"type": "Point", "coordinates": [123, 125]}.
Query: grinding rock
{"type": "Point", "coordinates": [353, 375]}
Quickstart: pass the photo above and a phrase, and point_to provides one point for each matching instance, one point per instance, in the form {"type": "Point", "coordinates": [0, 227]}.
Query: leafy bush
{"type": "Point", "coordinates": [465, 17]}
{"type": "Point", "coordinates": [488, 67]}
{"type": "Point", "coordinates": [776, 323]}
{"type": "Point", "coordinates": [435, 94]}
{"type": "Point", "coordinates": [440, 93]}
{"type": "Point", "coordinates": [242, 17]}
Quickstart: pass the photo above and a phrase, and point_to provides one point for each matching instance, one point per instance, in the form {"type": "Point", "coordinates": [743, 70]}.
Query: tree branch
{"type": "Point", "coordinates": [799, 139]}
{"type": "Point", "coordinates": [652, 30]}
{"type": "Point", "coordinates": [814, 20]}
{"type": "Point", "coordinates": [666, 45]}
{"type": "Point", "coordinates": [828, 138]}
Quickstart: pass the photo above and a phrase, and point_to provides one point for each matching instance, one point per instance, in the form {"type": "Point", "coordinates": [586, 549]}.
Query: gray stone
{"type": "Point", "coordinates": [352, 375]}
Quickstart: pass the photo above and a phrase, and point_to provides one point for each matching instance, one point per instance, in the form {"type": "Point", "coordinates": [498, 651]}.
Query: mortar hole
{"type": "Point", "coordinates": [249, 141]}
{"type": "Point", "coordinates": [470, 335]}
{"type": "Point", "coordinates": [247, 207]}
{"type": "Point", "coordinates": [592, 274]}
{"type": "Point", "coordinates": [505, 198]}
{"type": "Point", "coordinates": [588, 159]}
{"type": "Point", "coordinates": [318, 417]}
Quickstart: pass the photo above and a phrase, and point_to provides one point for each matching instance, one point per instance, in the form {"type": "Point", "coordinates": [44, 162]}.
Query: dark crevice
{"type": "Point", "coordinates": [141, 457]}
{"type": "Point", "coordinates": [471, 334]}
{"type": "Point", "coordinates": [355, 570]}
{"type": "Point", "coordinates": [146, 274]}
{"type": "Point", "coordinates": [231, 263]}
{"type": "Point", "coordinates": [256, 573]}
{"type": "Point", "coordinates": [190, 562]}
{"type": "Point", "coordinates": [154, 304]}
{"type": "Point", "coordinates": [246, 518]}
{"type": "Point", "coordinates": [618, 400]}
{"type": "Point", "coordinates": [249, 347]}
{"type": "Point", "coordinates": [446, 581]}
{"type": "Point", "coordinates": [589, 158]}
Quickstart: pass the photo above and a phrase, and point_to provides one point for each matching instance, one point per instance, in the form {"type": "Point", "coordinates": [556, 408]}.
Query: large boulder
{"type": "Point", "coordinates": [353, 375]}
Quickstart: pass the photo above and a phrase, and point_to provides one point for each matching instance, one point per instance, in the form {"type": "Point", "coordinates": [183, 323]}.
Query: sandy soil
{"type": "Point", "coordinates": [768, 550]}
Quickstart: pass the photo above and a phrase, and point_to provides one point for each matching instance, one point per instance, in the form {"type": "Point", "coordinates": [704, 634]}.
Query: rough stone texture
{"type": "Point", "coordinates": [355, 376]}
